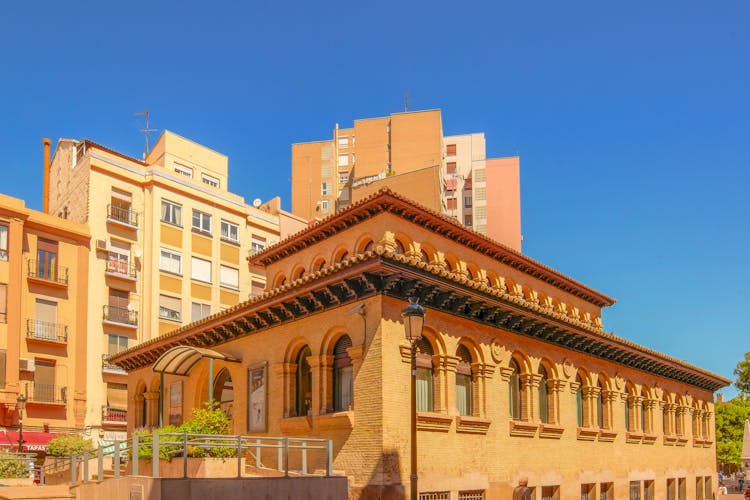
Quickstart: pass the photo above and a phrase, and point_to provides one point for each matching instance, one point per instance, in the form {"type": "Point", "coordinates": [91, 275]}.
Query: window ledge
{"type": "Point", "coordinates": [681, 441]}
{"type": "Point", "coordinates": [607, 435]}
{"type": "Point", "coordinates": [230, 242]}
{"type": "Point", "coordinates": [337, 420]}
{"type": "Point", "coordinates": [178, 226]}
{"type": "Point", "coordinates": [230, 288]}
{"type": "Point", "coordinates": [698, 443]}
{"type": "Point", "coordinates": [707, 443]}
{"type": "Point", "coordinates": [670, 440]}
{"type": "Point", "coordinates": [431, 421]}
{"type": "Point", "coordinates": [587, 434]}
{"type": "Point", "coordinates": [295, 425]}
{"type": "Point", "coordinates": [201, 232]}
{"type": "Point", "coordinates": [550, 431]}
{"type": "Point", "coordinates": [649, 438]}
{"type": "Point", "coordinates": [170, 273]}
{"type": "Point", "coordinates": [633, 437]}
{"type": "Point", "coordinates": [523, 429]}
{"type": "Point", "coordinates": [472, 425]}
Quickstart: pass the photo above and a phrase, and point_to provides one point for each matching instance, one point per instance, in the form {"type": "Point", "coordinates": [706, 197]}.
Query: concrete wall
{"type": "Point", "coordinates": [146, 488]}
{"type": "Point", "coordinates": [504, 201]}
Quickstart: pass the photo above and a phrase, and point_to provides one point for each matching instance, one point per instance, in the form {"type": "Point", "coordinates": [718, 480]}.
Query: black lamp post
{"type": "Point", "coordinates": [20, 406]}
{"type": "Point", "coordinates": [413, 315]}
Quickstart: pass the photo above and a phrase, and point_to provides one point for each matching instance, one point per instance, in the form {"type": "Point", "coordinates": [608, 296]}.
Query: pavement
{"type": "Point", "coordinates": [54, 492]}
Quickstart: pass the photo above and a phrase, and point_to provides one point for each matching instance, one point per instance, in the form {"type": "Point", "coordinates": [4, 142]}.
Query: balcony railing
{"type": "Point", "coordinates": [53, 274]}
{"type": "Point", "coordinates": [122, 215]}
{"type": "Point", "coordinates": [114, 416]}
{"type": "Point", "coordinates": [109, 367]}
{"type": "Point", "coordinates": [121, 268]}
{"type": "Point", "coordinates": [46, 393]}
{"type": "Point", "coordinates": [43, 330]}
{"type": "Point", "coordinates": [120, 315]}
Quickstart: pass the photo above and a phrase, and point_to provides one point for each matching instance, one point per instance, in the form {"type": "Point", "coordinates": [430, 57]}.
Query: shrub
{"type": "Point", "coordinates": [67, 445]}
{"type": "Point", "coordinates": [12, 466]}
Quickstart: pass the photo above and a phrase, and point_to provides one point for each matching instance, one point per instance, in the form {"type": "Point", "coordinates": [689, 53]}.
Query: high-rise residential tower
{"type": "Point", "coordinates": [408, 153]}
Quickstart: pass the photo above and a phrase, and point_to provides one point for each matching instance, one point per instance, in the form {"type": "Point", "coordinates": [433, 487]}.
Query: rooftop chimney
{"type": "Point", "coordinates": [45, 195]}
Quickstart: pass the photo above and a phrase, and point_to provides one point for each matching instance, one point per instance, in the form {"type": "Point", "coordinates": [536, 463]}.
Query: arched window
{"type": "Point", "coordinates": [514, 390]}
{"type": "Point", "coordinates": [599, 405]}
{"type": "Point", "coordinates": [369, 247]}
{"type": "Point", "coordinates": [304, 383]}
{"type": "Point", "coordinates": [644, 421]}
{"type": "Point", "coordinates": [543, 395]}
{"type": "Point", "coordinates": [424, 375]}
{"type": "Point", "coordinates": [342, 256]}
{"type": "Point", "coordinates": [463, 381]}
{"type": "Point", "coordinates": [224, 391]}
{"type": "Point", "coordinates": [628, 405]}
{"type": "Point", "coordinates": [579, 401]}
{"type": "Point", "coordinates": [399, 248]}
{"type": "Point", "coordinates": [424, 257]}
{"type": "Point", "coordinates": [342, 375]}
{"type": "Point", "coordinates": [665, 421]}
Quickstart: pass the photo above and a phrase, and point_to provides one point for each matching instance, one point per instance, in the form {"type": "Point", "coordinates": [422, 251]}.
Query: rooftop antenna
{"type": "Point", "coordinates": [146, 130]}
{"type": "Point", "coordinates": [406, 102]}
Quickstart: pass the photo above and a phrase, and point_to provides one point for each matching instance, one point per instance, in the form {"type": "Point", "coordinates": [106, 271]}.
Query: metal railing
{"type": "Point", "coordinates": [43, 330]}
{"type": "Point", "coordinates": [53, 273]}
{"type": "Point", "coordinates": [120, 315]}
{"type": "Point", "coordinates": [106, 365]}
{"type": "Point", "coordinates": [113, 415]}
{"type": "Point", "coordinates": [121, 268]}
{"type": "Point", "coordinates": [123, 215]}
{"type": "Point", "coordinates": [46, 393]}
{"type": "Point", "coordinates": [246, 450]}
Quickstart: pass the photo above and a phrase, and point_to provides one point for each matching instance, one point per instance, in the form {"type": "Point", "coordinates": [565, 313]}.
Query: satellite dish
{"type": "Point", "coordinates": [138, 252]}
{"type": "Point", "coordinates": [257, 202]}
{"type": "Point", "coordinates": [131, 306]}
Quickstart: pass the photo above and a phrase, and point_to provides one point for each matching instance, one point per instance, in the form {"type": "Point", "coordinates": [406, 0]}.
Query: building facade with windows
{"type": "Point", "coordinates": [408, 153]}
{"type": "Point", "coordinates": [516, 376]}
{"type": "Point", "coordinates": [43, 324]}
{"type": "Point", "coordinates": [169, 247]}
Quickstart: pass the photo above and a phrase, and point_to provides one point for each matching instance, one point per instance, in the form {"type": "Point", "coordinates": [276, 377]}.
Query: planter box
{"type": "Point", "coordinates": [196, 467]}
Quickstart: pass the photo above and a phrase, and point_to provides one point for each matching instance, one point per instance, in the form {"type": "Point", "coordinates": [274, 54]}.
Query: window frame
{"type": "Point", "coordinates": [229, 226]}
{"type": "Point", "coordinates": [183, 170]}
{"type": "Point", "coordinates": [173, 213]}
{"type": "Point", "coordinates": [202, 217]}
{"type": "Point", "coordinates": [210, 180]}
{"type": "Point", "coordinates": [177, 313]}
{"type": "Point", "coordinates": [222, 283]}
{"type": "Point", "coordinates": [172, 253]}
{"type": "Point", "coordinates": [193, 260]}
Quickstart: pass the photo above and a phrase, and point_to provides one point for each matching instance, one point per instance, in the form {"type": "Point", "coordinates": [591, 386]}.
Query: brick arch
{"type": "Point", "coordinates": [332, 336]}
{"type": "Point", "coordinates": [294, 346]}
{"type": "Point", "coordinates": [317, 263]}
{"type": "Point", "coordinates": [405, 241]}
{"type": "Point", "coordinates": [435, 340]}
{"type": "Point", "coordinates": [279, 279]}
{"type": "Point", "coordinates": [477, 356]}
{"type": "Point", "coordinates": [586, 376]}
{"type": "Point", "coordinates": [523, 360]}
{"type": "Point", "coordinates": [551, 367]}
{"type": "Point", "coordinates": [605, 381]}
{"type": "Point", "coordinates": [363, 242]}
{"type": "Point", "coordinates": [339, 253]}
{"type": "Point", "coordinates": [451, 262]}
{"type": "Point", "coordinates": [428, 249]}
{"type": "Point", "coordinates": [297, 272]}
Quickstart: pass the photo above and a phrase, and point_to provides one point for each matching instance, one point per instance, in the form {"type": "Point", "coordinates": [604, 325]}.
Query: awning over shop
{"type": "Point", "coordinates": [181, 359]}
{"type": "Point", "coordinates": [32, 440]}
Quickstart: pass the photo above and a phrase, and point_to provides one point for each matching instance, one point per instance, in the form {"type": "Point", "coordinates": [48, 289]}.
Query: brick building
{"type": "Point", "coordinates": [516, 376]}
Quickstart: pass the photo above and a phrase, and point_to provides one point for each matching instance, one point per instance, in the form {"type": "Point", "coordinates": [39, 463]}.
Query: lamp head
{"type": "Point", "coordinates": [21, 402]}
{"type": "Point", "coordinates": [413, 315]}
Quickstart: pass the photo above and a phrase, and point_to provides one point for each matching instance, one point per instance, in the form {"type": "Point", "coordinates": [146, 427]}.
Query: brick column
{"type": "Point", "coordinates": [322, 384]}
{"type": "Point", "coordinates": [480, 373]}
{"type": "Point", "coordinates": [528, 383]}
{"type": "Point", "coordinates": [152, 408]}
{"type": "Point", "coordinates": [650, 406]}
{"type": "Point", "coordinates": [590, 394]}
{"type": "Point", "coordinates": [668, 415]}
{"type": "Point", "coordinates": [555, 387]}
{"type": "Point", "coordinates": [286, 373]}
{"type": "Point", "coordinates": [139, 401]}
{"type": "Point", "coordinates": [608, 406]}
{"type": "Point", "coordinates": [680, 421]}
{"type": "Point", "coordinates": [635, 408]}
{"type": "Point", "coordinates": [450, 363]}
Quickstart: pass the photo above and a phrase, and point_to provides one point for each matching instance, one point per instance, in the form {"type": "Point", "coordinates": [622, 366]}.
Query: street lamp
{"type": "Point", "coordinates": [413, 315]}
{"type": "Point", "coordinates": [20, 406]}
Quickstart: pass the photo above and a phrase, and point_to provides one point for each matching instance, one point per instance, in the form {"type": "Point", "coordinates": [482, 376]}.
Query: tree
{"type": "Point", "coordinates": [743, 375]}
{"type": "Point", "coordinates": [730, 426]}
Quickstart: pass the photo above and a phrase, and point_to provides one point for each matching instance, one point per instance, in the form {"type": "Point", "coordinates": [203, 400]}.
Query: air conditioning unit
{"type": "Point", "coordinates": [101, 245]}
{"type": "Point", "coordinates": [26, 365]}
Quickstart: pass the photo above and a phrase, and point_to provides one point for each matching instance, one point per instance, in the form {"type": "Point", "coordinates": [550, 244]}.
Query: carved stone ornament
{"type": "Point", "coordinates": [499, 352]}
{"type": "Point", "coordinates": [619, 382]}
{"type": "Point", "coordinates": [567, 368]}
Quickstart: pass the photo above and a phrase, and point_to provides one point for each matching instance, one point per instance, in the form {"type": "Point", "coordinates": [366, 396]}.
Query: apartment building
{"type": "Point", "coordinates": [43, 324]}
{"type": "Point", "coordinates": [169, 247]}
{"type": "Point", "coordinates": [408, 153]}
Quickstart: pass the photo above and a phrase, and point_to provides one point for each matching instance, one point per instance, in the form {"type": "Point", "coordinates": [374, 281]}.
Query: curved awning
{"type": "Point", "coordinates": [181, 359]}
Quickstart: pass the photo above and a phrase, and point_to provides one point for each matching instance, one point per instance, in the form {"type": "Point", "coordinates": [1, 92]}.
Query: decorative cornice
{"type": "Point", "coordinates": [387, 201]}
{"type": "Point", "coordinates": [369, 274]}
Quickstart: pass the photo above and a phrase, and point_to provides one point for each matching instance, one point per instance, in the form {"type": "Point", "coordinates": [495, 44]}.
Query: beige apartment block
{"type": "Point", "coordinates": [43, 324]}
{"type": "Point", "coordinates": [515, 374]}
{"type": "Point", "coordinates": [169, 246]}
{"type": "Point", "coordinates": [408, 153]}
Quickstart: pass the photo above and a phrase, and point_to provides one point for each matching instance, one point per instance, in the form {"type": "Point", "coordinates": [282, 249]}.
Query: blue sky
{"type": "Point", "coordinates": [631, 120]}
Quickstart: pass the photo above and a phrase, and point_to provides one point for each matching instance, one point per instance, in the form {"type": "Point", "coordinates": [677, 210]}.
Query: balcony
{"type": "Point", "coordinates": [120, 316]}
{"type": "Point", "coordinates": [46, 394]}
{"type": "Point", "coordinates": [46, 332]}
{"type": "Point", "coordinates": [123, 216]}
{"type": "Point", "coordinates": [121, 269]}
{"type": "Point", "coordinates": [108, 367]}
{"type": "Point", "coordinates": [112, 416]}
{"type": "Point", "coordinates": [50, 275]}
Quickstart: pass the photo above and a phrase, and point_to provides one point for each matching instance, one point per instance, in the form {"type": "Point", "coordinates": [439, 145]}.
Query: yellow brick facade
{"type": "Point", "coordinates": [493, 316]}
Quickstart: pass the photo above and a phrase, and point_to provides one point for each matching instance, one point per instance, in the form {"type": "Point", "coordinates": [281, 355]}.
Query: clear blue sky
{"type": "Point", "coordinates": [632, 120]}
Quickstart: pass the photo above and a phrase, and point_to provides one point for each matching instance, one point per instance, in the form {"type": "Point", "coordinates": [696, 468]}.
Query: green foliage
{"type": "Point", "coordinates": [67, 445]}
{"type": "Point", "coordinates": [743, 375]}
{"type": "Point", "coordinates": [210, 419]}
{"type": "Point", "coordinates": [12, 466]}
{"type": "Point", "coordinates": [730, 426]}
